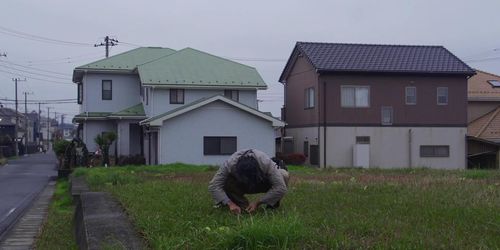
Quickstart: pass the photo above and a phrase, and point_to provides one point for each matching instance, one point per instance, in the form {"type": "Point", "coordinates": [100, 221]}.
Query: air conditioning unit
{"type": "Point", "coordinates": [361, 155]}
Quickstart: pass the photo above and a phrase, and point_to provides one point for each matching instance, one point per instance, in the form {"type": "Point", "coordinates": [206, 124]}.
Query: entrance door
{"type": "Point", "coordinates": [314, 154]}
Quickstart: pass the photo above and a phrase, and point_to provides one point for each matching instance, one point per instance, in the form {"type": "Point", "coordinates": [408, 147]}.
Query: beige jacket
{"type": "Point", "coordinates": [277, 177]}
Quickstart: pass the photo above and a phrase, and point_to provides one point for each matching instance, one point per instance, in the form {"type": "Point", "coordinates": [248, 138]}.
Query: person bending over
{"type": "Point", "coordinates": [249, 172]}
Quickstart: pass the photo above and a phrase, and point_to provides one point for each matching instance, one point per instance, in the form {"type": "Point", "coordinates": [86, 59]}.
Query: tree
{"type": "Point", "coordinates": [105, 140]}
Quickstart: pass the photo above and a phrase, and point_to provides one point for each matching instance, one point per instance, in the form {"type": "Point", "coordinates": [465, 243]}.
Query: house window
{"type": "Point", "coordinates": [411, 95]}
{"type": "Point", "coordinates": [215, 145]}
{"type": "Point", "coordinates": [80, 93]}
{"type": "Point", "coordinates": [107, 90]}
{"type": "Point", "coordinates": [442, 95]}
{"type": "Point", "coordinates": [354, 96]}
{"type": "Point", "coordinates": [146, 91]}
{"type": "Point", "coordinates": [306, 148]}
{"type": "Point", "coordinates": [362, 140]}
{"type": "Point", "coordinates": [232, 94]}
{"type": "Point", "coordinates": [176, 96]}
{"type": "Point", "coordinates": [387, 118]}
{"type": "Point", "coordinates": [435, 151]}
{"type": "Point", "coordinates": [309, 98]}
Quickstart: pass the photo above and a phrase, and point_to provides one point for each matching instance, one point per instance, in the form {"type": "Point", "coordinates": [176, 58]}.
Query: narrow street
{"type": "Point", "coordinates": [20, 182]}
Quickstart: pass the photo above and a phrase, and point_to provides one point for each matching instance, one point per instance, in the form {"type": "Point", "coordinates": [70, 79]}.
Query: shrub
{"type": "Point", "coordinates": [59, 147]}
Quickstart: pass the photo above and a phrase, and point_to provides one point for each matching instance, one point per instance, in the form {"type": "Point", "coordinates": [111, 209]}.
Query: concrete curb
{"type": "Point", "coordinates": [100, 221]}
{"type": "Point", "coordinates": [25, 231]}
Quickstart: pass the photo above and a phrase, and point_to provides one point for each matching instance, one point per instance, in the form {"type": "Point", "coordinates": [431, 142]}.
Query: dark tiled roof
{"type": "Point", "coordinates": [341, 57]}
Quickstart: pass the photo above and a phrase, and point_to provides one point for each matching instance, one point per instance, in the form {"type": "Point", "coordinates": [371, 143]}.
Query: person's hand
{"type": "Point", "coordinates": [235, 209]}
{"type": "Point", "coordinates": [252, 207]}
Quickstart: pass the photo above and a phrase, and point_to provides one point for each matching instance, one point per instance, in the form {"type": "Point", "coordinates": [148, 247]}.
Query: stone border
{"type": "Point", "coordinates": [100, 221]}
{"type": "Point", "coordinates": [26, 230]}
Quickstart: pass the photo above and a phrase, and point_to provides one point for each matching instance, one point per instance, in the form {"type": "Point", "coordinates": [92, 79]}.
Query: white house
{"type": "Point", "coordinates": [173, 106]}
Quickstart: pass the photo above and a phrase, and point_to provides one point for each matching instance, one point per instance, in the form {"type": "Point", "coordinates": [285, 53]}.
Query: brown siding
{"type": "Point", "coordinates": [302, 76]}
{"type": "Point", "coordinates": [387, 90]}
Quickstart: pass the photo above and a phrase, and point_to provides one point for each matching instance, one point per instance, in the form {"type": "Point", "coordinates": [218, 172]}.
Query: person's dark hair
{"type": "Point", "coordinates": [248, 172]}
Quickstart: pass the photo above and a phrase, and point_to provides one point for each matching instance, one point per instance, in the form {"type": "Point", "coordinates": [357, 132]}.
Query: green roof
{"type": "Point", "coordinates": [130, 59]}
{"type": "Point", "coordinates": [93, 114]}
{"type": "Point", "coordinates": [190, 67]}
{"type": "Point", "coordinates": [136, 110]}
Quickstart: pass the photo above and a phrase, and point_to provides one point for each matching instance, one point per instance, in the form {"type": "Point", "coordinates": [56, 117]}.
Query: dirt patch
{"type": "Point", "coordinates": [188, 177]}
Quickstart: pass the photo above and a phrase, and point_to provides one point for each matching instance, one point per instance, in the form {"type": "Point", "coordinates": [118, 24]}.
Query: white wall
{"type": "Point", "coordinates": [125, 92]}
{"type": "Point", "coordinates": [92, 128]}
{"type": "Point", "coordinates": [159, 100]}
{"type": "Point", "coordinates": [181, 138]}
{"type": "Point", "coordinates": [390, 147]}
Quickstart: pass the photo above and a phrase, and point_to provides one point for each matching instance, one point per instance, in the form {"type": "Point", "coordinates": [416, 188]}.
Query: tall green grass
{"type": "Point", "coordinates": [324, 209]}
{"type": "Point", "coordinates": [58, 231]}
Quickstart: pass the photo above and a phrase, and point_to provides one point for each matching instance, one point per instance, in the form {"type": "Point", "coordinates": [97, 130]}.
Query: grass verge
{"type": "Point", "coordinates": [58, 231]}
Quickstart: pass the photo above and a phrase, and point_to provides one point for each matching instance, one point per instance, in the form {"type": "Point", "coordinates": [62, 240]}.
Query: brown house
{"type": "Point", "coordinates": [484, 120]}
{"type": "Point", "coordinates": [376, 105]}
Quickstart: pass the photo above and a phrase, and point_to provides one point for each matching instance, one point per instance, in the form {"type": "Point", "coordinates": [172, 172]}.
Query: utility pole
{"type": "Point", "coordinates": [48, 127]}
{"type": "Point", "coordinates": [17, 117]}
{"type": "Point", "coordinates": [107, 42]}
{"type": "Point", "coordinates": [26, 134]}
{"type": "Point", "coordinates": [39, 125]}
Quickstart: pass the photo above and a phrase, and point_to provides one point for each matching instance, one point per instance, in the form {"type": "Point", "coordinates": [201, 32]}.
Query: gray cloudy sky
{"type": "Point", "coordinates": [257, 33]}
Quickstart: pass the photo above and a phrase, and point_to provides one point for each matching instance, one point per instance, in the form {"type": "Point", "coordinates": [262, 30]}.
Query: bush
{"type": "Point", "coordinates": [292, 159]}
{"type": "Point", "coordinates": [131, 160]}
{"type": "Point", "coordinates": [59, 147]}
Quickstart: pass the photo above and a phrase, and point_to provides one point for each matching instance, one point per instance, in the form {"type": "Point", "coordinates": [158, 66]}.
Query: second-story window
{"type": "Point", "coordinates": [232, 94]}
{"type": "Point", "coordinates": [355, 96]}
{"type": "Point", "coordinates": [387, 116]}
{"type": "Point", "coordinates": [107, 89]}
{"type": "Point", "coordinates": [176, 96]}
{"type": "Point", "coordinates": [442, 95]}
{"type": "Point", "coordinates": [309, 98]}
{"type": "Point", "coordinates": [411, 95]}
{"type": "Point", "coordinates": [80, 93]}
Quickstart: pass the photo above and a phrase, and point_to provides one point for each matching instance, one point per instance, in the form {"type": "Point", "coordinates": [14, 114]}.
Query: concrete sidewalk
{"type": "Point", "coordinates": [25, 231]}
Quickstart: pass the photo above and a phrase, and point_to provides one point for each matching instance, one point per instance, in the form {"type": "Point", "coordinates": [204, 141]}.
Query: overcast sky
{"type": "Point", "coordinates": [257, 33]}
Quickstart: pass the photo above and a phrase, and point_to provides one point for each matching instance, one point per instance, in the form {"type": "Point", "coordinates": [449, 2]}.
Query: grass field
{"type": "Point", "coordinates": [324, 209]}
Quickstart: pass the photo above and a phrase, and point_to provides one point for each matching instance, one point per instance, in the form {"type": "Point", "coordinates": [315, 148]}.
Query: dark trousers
{"type": "Point", "coordinates": [236, 192]}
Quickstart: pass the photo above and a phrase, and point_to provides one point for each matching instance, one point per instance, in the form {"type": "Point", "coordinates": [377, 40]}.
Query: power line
{"type": "Point", "coordinates": [35, 73]}
{"type": "Point", "coordinates": [28, 36]}
{"type": "Point", "coordinates": [47, 100]}
{"type": "Point", "coordinates": [42, 70]}
{"type": "Point", "coordinates": [58, 59]}
{"type": "Point", "coordinates": [35, 78]}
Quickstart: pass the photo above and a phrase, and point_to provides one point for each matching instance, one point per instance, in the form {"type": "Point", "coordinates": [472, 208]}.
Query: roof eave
{"type": "Point", "coordinates": [200, 86]}
{"type": "Point", "coordinates": [332, 71]}
{"type": "Point", "coordinates": [158, 121]}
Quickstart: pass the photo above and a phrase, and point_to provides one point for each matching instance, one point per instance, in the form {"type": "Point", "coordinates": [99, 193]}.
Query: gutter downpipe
{"type": "Point", "coordinates": [409, 148]}
{"type": "Point", "coordinates": [324, 124]}
{"type": "Point", "coordinates": [319, 128]}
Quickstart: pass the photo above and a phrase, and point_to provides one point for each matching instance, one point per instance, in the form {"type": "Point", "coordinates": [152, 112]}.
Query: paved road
{"type": "Point", "coordinates": [20, 182]}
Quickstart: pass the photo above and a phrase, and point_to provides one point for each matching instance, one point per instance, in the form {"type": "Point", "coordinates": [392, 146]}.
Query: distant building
{"type": "Point", "coordinates": [484, 120]}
